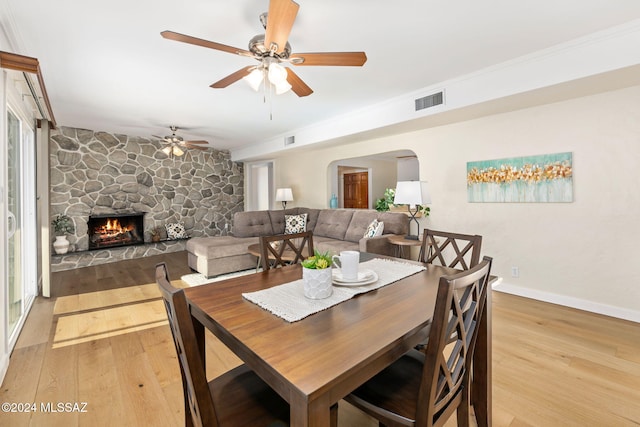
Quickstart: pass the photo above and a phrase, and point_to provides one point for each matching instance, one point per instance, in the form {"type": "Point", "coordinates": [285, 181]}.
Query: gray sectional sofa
{"type": "Point", "coordinates": [334, 230]}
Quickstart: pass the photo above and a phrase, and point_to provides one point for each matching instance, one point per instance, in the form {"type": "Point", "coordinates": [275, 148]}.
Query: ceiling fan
{"type": "Point", "coordinates": [176, 144]}
{"type": "Point", "coordinates": [271, 49]}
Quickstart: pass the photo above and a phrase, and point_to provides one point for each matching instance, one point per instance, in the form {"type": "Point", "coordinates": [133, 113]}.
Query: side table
{"type": "Point", "coordinates": [400, 242]}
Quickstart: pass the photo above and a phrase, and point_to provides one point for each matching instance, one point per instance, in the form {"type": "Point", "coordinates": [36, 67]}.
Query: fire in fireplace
{"type": "Point", "coordinates": [113, 230]}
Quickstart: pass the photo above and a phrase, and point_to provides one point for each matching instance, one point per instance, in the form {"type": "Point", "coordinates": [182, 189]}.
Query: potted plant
{"type": "Point", "coordinates": [383, 204]}
{"type": "Point", "coordinates": [62, 225]}
{"type": "Point", "coordinates": [386, 204]}
{"type": "Point", "coordinates": [316, 275]}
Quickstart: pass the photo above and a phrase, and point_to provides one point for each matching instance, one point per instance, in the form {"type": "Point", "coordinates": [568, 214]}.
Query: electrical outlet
{"type": "Point", "coordinates": [515, 272]}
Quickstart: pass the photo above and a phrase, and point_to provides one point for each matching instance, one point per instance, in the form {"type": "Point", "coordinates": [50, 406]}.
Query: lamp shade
{"type": "Point", "coordinates": [254, 78]}
{"type": "Point", "coordinates": [284, 195]}
{"type": "Point", "coordinates": [411, 193]}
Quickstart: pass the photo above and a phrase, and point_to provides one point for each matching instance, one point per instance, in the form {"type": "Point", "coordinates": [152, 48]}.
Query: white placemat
{"type": "Point", "coordinates": [288, 301]}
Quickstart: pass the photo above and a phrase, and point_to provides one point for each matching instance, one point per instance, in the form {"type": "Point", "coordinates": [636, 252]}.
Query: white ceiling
{"type": "Point", "coordinates": [107, 68]}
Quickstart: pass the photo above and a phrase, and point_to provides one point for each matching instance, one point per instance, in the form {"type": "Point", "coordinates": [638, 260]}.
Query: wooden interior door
{"type": "Point", "coordinates": [356, 190]}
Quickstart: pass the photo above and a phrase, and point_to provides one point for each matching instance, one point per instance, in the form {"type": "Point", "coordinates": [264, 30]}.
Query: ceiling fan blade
{"type": "Point", "coordinates": [159, 137]}
{"type": "Point", "coordinates": [299, 87]}
{"type": "Point", "coordinates": [204, 43]}
{"type": "Point", "coordinates": [280, 18]}
{"type": "Point", "coordinates": [354, 59]}
{"type": "Point", "coordinates": [232, 78]}
{"type": "Point", "coordinates": [196, 142]}
{"type": "Point", "coordinates": [197, 147]}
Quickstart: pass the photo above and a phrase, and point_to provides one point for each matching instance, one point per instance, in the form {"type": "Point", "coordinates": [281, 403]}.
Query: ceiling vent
{"type": "Point", "coordinates": [288, 140]}
{"type": "Point", "coordinates": [429, 101]}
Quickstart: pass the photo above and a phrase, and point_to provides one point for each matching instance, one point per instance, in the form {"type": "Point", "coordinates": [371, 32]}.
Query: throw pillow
{"type": "Point", "coordinates": [374, 229]}
{"type": "Point", "coordinates": [295, 223]}
{"type": "Point", "coordinates": [176, 231]}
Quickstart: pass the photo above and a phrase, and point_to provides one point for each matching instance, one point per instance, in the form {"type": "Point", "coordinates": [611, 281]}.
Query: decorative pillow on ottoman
{"type": "Point", "coordinates": [374, 229]}
{"type": "Point", "coordinates": [176, 231]}
{"type": "Point", "coordinates": [295, 223]}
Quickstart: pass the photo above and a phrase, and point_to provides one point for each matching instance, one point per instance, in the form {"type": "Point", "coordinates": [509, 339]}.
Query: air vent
{"type": "Point", "coordinates": [429, 101]}
{"type": "Point", "coordinates": [288, 140]}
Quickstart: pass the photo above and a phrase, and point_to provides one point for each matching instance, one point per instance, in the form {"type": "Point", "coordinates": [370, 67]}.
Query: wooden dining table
{"type": "Point", "coordinates": [316, 361]}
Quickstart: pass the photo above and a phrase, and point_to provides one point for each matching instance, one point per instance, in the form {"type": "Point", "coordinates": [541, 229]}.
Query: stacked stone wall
{"type": "Point", "coordinates": [95, 173]}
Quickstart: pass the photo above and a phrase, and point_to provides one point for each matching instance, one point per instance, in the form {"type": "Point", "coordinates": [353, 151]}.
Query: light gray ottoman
{"type": "Point", "coordinates": [213, 256]}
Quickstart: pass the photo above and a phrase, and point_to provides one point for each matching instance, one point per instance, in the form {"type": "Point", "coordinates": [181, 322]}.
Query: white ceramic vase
{"type": "Point", "coordinates": [317, 283]}
{"type": "Point", "coordinates": [61, 245]}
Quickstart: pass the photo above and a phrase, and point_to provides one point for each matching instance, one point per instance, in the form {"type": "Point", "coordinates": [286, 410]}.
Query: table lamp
{"type": "Point", "coordinates": [412, 193]}
{"type": "Point", "coordinates": [284, 195]}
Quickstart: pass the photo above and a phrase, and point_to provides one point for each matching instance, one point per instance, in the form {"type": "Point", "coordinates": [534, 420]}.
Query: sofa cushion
{"type": "Point", "coordinates": [312, 217]}
{"type": "Point", "coordinates": [295, 223]}
{"type": "Point", "coordinates": [252, 224]}
{"type": "Point", "coordinates": [333, 223]}
{"type": "Point", "coordinates": [175, 230]}
{"type": "Point", "coordinates": [277, 218]}
{"type": "Point", "coordinates": [333, 246]}
{"type": "Point", "coordinates": [359, 223]}
{"type": "Point", "coordinates": [374, 229]}
{"type": "Point", "coordinates": [394, 223]}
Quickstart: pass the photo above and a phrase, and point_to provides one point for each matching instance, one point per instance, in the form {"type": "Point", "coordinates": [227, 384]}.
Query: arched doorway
{"type": "Point", "coordinates": [381, 171]}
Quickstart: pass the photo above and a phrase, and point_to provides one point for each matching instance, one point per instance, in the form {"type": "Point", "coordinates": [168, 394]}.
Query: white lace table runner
{"type": "Point", "coordinates": [288, 301]}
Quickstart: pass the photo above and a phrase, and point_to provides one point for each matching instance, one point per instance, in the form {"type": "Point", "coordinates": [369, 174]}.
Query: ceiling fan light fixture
{"type": "Point", "coordinates": [167, 150]}
{"type": "Point", "coordinates": [254, 79]}
{"type": "Point", "coordinates": [177, 151]}
{"type": "Point", "coordinates": [277, 74]}
{"type": "Point", "coordinates": [282, 87]}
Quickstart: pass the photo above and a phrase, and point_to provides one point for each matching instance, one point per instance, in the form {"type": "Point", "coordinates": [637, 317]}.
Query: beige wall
{"type": "Point", "coordinates": [579, 254]}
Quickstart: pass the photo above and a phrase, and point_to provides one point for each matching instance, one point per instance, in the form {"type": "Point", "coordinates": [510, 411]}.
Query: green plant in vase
{"type": "Point", "coordinates": [318, 261]}
{"type": "Point", "coordinates": [62, 225]}
{"type": "Point", "coordinates": [316, 275]}
{"type": "Point", "coordinates": [383, 204]}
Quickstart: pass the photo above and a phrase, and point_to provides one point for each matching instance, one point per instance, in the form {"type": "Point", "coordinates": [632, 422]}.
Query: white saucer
{"type": "Point", "coordinates": [365, 277]}
{"type": "Point", "coordinates": [362, 276]}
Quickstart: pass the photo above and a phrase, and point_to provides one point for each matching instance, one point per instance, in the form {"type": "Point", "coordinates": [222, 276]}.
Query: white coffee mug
{"type": "Point", "coordinates": [349, 261]}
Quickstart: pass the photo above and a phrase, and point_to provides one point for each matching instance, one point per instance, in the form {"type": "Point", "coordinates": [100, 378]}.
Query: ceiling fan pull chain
{"type": "Point", "coordinates": [270, 100]}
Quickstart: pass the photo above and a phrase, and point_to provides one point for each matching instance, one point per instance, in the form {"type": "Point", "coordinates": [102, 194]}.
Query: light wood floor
{"type": "Point", "coordinates": [103, 340]}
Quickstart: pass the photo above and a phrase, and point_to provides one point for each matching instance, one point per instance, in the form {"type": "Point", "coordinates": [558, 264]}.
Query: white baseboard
{"type": "Point", "coordinates": [4, 366]}
{"type": "Point", "coordinates": [580, 304]}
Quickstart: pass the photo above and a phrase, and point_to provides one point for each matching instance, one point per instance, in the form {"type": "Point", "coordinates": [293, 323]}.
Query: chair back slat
{"type": "Point", "coordinates": [196, 390]}
{"type": "Point", "coordinates": [453, 250]}
{"type": "Point", "coordinates": [285, 249]}
{"type": "Point", "coordinates": [454, 330]}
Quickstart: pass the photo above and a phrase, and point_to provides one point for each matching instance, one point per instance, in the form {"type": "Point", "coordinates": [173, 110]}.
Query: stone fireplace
{"type": "Point", "coordinates": [98, 174]}
{"type": "Point", "coordinates": [115, 230]}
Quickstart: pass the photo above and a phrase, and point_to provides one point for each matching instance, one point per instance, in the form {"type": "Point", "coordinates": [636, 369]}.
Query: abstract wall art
{"type": "Point", "coordinates": [532, 179]}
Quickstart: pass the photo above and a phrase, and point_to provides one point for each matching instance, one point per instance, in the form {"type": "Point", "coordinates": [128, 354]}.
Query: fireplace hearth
{"type": "Point", "coordinates": [114, 230]}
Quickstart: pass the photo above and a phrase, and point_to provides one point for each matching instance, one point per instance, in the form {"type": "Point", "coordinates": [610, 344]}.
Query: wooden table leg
{"type": "Point", "coordinates": [481, 395]}
{"type": "Point", "coordinates": [317, 413]}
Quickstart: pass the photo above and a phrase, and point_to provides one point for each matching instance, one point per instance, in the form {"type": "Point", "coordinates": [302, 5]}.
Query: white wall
{"type": "Point", "coordinates": [408, 169]}
{"type": "Point", "coordinates": [580, 254]}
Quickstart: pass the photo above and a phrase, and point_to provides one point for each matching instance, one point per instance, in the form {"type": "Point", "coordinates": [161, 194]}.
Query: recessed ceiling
{"type": "Point", "coordinates": [107, 68]}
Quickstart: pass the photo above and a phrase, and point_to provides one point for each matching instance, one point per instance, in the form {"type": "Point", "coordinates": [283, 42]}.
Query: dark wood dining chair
{"type": "Point", "coordinates": [285, 249]}
{"type": "Point", "coordinates": [455, 250]}
{"type": "Point", "coordinates": [424, 389]}
{"type": "Point", "coordinates": [236, 398]}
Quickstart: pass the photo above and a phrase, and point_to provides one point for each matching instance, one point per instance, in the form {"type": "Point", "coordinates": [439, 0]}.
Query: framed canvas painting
{"type": "Point", "coordinates": [546, 178]}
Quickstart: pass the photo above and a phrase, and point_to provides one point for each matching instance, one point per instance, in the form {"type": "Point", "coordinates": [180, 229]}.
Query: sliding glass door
{"type": "Point", "coordinates": [20, 275]}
